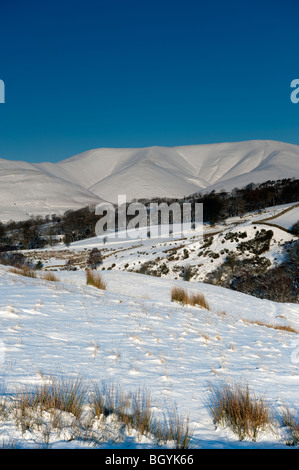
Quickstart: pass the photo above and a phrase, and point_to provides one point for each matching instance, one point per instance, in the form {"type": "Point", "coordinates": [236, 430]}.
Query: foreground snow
{"type": "Point", "coordinates": [133, 335]}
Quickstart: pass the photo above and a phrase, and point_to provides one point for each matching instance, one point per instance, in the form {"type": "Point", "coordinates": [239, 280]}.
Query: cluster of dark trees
{"type": "Point", "coordinates": [22, 235]}
{"type": "Point", "coordinates": [220, 206]}
{"type": "Point", "coordinates": [38, 232]}
{"type": "Point", "coordinates": [279, 283]}
{"type": "Point", "coordinates": [255, 275]}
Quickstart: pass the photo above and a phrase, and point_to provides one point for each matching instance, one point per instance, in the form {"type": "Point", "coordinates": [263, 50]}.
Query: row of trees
{"type": "Point", "coordinates": [218, 206]}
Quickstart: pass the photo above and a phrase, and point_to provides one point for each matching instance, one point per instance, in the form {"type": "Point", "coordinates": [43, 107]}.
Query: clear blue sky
{"type": "Point", "coordinates": [82, 74]}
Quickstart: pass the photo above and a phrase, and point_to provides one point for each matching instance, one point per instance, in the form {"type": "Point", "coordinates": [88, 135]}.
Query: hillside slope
{"type": "Point", "coordinates": [133, 335]}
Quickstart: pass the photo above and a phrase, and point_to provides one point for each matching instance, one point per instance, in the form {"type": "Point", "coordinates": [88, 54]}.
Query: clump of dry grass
{"type": "Point", "coordinates": [10, 444]}
{"type": "Point", "coordinates": [276, 327]}
{"type": "Point", "coordinates": [66, 395]}
{"type": "Point", "coordinates": [68, 408]}
{"type": "Point", "coordinates": [41, 409]}
{"type": "Point", "coordinates": [24, 271]}
{"type": "Point", "coordinates": [178, 294]}
{"type": "Point", "coordinates": [289, 420]}
{"type": "Point", "coordinates": [241, 410]}
{"type": "Point", "coordinates": [109, 399]}
{"type": "Point", "coordinates": [199, 299]}
{"type": "Point", "coordinates": [174, 429]}
{"type": "Point", "coordinates": [142, 414]}
{"type": "Point", "coordinates": [28, 272]}
{"type": "Point", "coordinates": [49, 276]}
{"type": "Point", "coordinates": [93, 278]}
{"type": "Point", "coordinates": [135, 411]}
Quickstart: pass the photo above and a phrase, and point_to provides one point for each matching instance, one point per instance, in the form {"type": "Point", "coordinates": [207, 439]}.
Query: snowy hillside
{"type": "Point", "coordinates": [286, 218]}
{"type": "Point", "coordinates": [132, 335]}
{"type": "Point", "coordinates": [203, 250]}
{"type": "Point", "coordinates": [85, 179]}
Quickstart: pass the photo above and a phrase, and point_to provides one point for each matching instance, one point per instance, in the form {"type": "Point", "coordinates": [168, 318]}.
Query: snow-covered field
{"type": "Point", "coordinates": [202, 255]}
{"type": "Point", "coordinates": [287, 218]}
{"type": "Point", "coordinates": [133, 335]}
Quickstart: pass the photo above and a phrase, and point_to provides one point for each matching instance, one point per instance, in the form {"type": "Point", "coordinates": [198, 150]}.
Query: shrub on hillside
{"type": "Point", "coordinates": [295, 228]}
{"type": "Point", "coordinates": [95, 258]}
{"type": "Point", "coordinates": [18, 260]}
{"type": "Point", "coordinates": [236, 407]}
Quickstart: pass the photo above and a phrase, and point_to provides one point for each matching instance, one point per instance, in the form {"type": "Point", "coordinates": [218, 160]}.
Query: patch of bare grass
{"type": "Point", "coordinates": [176, 429]}
{"type": "Point", "coordinates": [49, 276]}
{"type": "Point", "coordinates": [276, 327]}
{"type": "Point", "coordinates": [238, 408]}
{"type": "Point", "coordinates": [66, 395]}
{"type": "Point", "coordinates": [178, 294]}
{"type": "Point", "coordinates": [24, 271]}
{"type": "Point", "coordinates": [93, 278]}
{"type": "Point", "coordinates": [290, 421]}
{"type": "Point", "coordinates": [135, 411]}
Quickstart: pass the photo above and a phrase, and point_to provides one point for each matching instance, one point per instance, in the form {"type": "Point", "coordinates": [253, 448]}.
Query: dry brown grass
{"type": "Point", "coordinates": [275, 327]}
{"type": "Point", "coordinates": [24, 271]}
{"type": "Point", "coordinates": [66, 395]}
{"type": "Point", "coordinates": [68, 409]}
{"type": "Point", "coordinates": [289, 420]}
{"type": "Point", "coordinates": [27, 407]}
{"type": "Point", "coordinates": [49, 276]}
{"type": "Point", "coordinates": [199, 299]}
{"type": "Point", "coordinates": [178, 294]}
{"type": "Point", "coordinates": [135, 412]}
{"type": "Point", "coordinates": [241, 410]}
{"type": "Point", "coordinates": [93, 278]}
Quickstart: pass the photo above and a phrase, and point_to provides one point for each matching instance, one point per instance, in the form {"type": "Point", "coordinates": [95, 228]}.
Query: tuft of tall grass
{"type": "Point", "coordinates": [178, 294]}
{"type": "Point", "coordinates": [199, 299]}
{"type": "Point", "coordinates": [66, 395]}
{"type": "Point", "coordinates": [236, 407]}
{"type": "Point", "coordinates": [289, 420]}
{"type": "Point", "coordinates": [41, 409]}
{"type": "Point", "coordinates": [135, 411]}
{"type": "Point", "coordinates": [10, 444]}
{"type": "Point", "coordinates": [176, 429]}
{"type": "Point", "coordinates": [142, 417]}
{"type": "Point", "coordinates": [93, 278]}
{"type": "Point", "coordinates": [275, 327]}
{"type": "Point", "coordinates": [110, 399]}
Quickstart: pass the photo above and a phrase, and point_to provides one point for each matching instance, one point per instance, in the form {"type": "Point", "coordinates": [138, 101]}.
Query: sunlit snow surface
{"type": "Point", "coordinates": [133, 335]}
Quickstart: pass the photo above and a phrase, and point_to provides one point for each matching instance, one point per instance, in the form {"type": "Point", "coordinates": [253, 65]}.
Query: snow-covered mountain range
{"type": "Point", "coordinates": [102, 174]}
